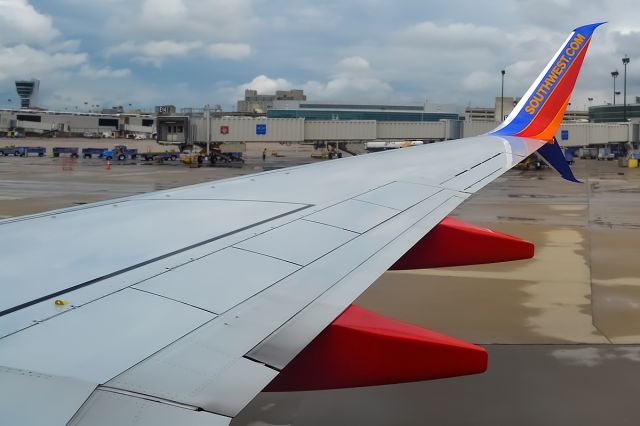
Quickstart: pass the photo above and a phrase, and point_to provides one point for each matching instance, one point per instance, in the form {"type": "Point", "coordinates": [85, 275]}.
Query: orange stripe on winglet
{"type": "Point", "coordinates": [550, 131]}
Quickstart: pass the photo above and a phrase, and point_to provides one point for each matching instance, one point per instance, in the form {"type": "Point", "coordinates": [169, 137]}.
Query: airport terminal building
{"type": "Point", "coordinates": [313, 111]}
{"type": "Point", "coordinates": [48, 123]}
{"type": "Point", "coordinates": [614, 113]}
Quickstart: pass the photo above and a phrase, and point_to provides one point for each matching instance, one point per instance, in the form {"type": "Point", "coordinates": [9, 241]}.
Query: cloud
{"type": "Point", "coordinates": [235, 51]}
{"type": "Point", "coordinates": [459, 36]}
{"type": "Point", "coordinates": [478, 80]}
{"type": "Point", "coordinates": [21, 23]}
{"type": "Point", "coordinates": [359, 51]}
{"type": "Point", "coordinates": [264, 84]}
{"type": "Point", "coordinates": [25, 62]}
{"type": "Point", "coordinates": [154, 52]}
{"type": "Point", "coordinates": [354, 64]}
{"type": "Point", "coordinates": [353, 78]}
{"type": "Point", "coordinates": [90, 72]}
{"type": "Point", "coordinates": [185, 20]}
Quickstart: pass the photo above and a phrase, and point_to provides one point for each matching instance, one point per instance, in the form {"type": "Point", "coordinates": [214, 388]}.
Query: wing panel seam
{"type": "Point", "coordinates": [146, 262]}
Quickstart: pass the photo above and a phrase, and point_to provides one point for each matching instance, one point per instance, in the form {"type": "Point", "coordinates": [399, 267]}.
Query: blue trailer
{"type": "Point", "coordinates": [164, 156]}
{"type": "Point", "coordinates": [9, 150]}
{"type": "Point", "coordinates": [92, 152]}
{"type": "Point", "coordinates": [59, 150]}
{"type": "Point", "coordinates": [24, 151]}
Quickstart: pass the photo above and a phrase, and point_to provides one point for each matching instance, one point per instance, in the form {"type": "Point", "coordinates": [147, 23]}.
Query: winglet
{"type": "Point", "coordinates": [552, 153]}
{"type": "Point", "coordinates": [540, 111]}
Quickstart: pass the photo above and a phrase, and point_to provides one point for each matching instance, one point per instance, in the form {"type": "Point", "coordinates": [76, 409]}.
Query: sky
{"type": "Point", "coordinates": [195, 52]}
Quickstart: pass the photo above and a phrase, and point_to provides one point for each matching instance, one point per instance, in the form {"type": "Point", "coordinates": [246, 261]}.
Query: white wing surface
{"type": "Point", "coordinates": [203, 317]}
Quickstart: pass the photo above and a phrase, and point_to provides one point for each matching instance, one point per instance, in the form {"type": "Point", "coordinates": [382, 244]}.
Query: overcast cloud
{"type": "Point", "coordinates": [196, 52]}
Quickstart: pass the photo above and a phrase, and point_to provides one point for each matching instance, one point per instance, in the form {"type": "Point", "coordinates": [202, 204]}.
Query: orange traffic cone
{"type": "Point", "coordinates": [108, 164]}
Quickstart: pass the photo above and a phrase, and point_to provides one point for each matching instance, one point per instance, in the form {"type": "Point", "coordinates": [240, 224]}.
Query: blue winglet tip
{"type": "Point", "coordinates": [552, 153]}
{"type": "Point", "coordinates": [591, 26]}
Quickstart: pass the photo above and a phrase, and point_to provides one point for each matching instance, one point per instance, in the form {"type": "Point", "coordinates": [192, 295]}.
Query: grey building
{"type": "Point", "coordinates": [255, 103]}
{"type": "Point", "coordinates": [614, 113]}
{"type": "Point", "coordinates": [322, 111]}
{"type": "Point", "coordinates": [28, 91]}
{"type": "Point", "coordinates": [507, 104]}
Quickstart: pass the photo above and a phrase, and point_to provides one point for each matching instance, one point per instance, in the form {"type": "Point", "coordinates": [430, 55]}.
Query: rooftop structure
{"type": "Point", "coordinates": [28, 91]}
{"type": "Point", "coordinates": [255, 103]}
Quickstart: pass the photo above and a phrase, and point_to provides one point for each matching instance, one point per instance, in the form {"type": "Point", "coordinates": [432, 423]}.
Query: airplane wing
{"type": "Point", "coordinates": [179, 306]}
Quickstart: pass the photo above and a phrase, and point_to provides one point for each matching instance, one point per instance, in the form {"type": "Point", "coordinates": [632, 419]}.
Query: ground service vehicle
{"type": "Point", "coordinates": [119, 152]}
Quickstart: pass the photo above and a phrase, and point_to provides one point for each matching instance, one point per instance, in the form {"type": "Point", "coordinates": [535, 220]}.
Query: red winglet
{"type": "Point", "coordinates": [455, 243]}
{"type": "Point", "coordinates": [362, 348]}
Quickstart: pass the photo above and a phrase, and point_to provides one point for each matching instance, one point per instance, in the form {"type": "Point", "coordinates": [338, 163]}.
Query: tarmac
{"type": "Point", "coordinates": [562, 329]}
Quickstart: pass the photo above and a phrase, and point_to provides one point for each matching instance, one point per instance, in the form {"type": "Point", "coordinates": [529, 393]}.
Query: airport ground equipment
{"type": "Point", "coordinates": [59, 150]}
{"type": "Point", "coordinates": [569, 154]}
{"type": "Point", "coordinates": [605, 154]}
{"type": "Point", "coordinates": [133, 327]}
{"type": "Point", "coordinates": [9, 150]}
{"type": "Point", "coordinates": [226, 159]}
{"type": "Point", "coordinates": [161, 156]}
{"type": "Point", "coordinates": [92, 152]}
{"type": "Point", "coordinates": [586, 153]}
{"type": "Point", "coordinates": [23, 151]}
{"type": "Point", "coordinates": [119, 152]}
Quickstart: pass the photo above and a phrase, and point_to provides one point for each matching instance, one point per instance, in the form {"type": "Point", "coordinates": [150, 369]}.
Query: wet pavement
{"type": "Point", "coordinates": [560, 329]}
{"type": "Point", "coordinates": [525, 385]}
{"type": "Point", "coordinates": [553, 325]}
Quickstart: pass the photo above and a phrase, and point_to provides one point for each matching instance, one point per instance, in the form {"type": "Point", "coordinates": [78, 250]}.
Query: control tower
{"type": "Point", "coordinates": [28, 92]}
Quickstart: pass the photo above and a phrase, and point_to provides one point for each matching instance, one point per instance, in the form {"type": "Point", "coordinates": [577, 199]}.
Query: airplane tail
{"type": "Point", "coordinates": [540, 111]}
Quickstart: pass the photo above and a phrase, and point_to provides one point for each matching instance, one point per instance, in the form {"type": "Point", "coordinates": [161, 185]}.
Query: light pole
{"type": "Point", "coordinates": [625, 61]}
{"type": "Point", "coordinates": [502, 97]}
{"type": "Point", "coordinates": [614, 74]}
{"type": "Point", "coordinates": [590, 101]}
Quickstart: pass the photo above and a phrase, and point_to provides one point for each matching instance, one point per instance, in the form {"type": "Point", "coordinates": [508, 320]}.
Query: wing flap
{"type": "Point", "coordinates": [217, 282]}
{"type": "Point", "coordinates": [135, 231]}
{"type": "Point", "coordinates": [107, 407]}
{"type": "Point", "coordinates": [38, 399]}
{"type": "Point", "coordinates": [353, 215]}
{"type": "Point", "coordinates": [110, 335]}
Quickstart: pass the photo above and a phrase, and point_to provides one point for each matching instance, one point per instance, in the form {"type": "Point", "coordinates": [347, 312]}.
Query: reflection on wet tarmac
{"type": "Point", "coordinates": [551, 385]}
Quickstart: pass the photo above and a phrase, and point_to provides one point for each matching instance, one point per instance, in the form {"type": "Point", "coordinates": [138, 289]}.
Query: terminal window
{"type": "Point", "coordinates": [108, 122]}
{"type": "Point", "coordinates": [34, 118]}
